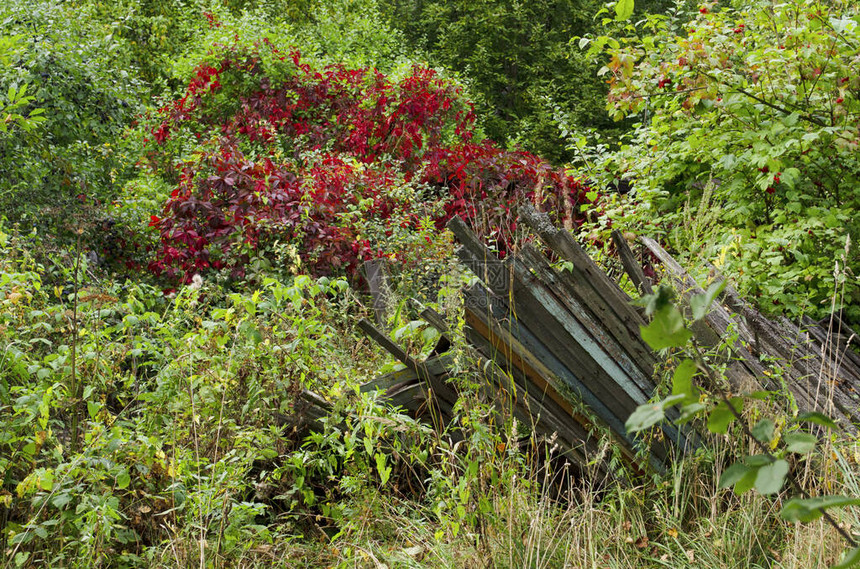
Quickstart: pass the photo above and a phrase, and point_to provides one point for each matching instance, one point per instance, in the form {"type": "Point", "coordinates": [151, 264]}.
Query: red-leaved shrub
{"type": "Point", "coordinates": [283, 151]}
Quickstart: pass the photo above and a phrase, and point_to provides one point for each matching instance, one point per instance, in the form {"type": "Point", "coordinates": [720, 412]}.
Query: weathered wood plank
{"type": "Point", "coordinates": [834, 346]}
{"type": "Point", "coordinates": [523, 354]}
{"type": "Point", "coordinates": [436, 366]}
{"type": "Point", "coordinates": [631, 265]}
{"type": "Point", "coordinates": [719, 320]}
{"type": "Point", "coordinates": [531, 310]}
{"type": "Point", "coordinates": [534, 407]}
{"type": "Point", "coordinates": [391, 347]}
{"type": "Point", "coordinates": [585, 269]}
{"type": "Point", "coordinates": [476, 256]}
{"type": "Point", "coordinates": [375, 273]}
{"type": "Point", "coordinates": [481, 306]}
{"type": "Point", "coordinates": [600, 335]}
{"type": "Point", "coordinates": [531, 379]}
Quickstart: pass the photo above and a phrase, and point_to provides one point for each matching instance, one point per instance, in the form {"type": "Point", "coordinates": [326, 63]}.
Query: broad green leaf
{"type": "Point", "coordinates": [682, 381]}
{"type": "Point", "coordinates": [46, 481]}
{"type": "Point", "coordinates": [733, 474]}
{"type": "Point", "coordinates": [701, 303]}
{"type": "Point", "coordinates": [747, 481]}
{"type": "Point", "coordinates": [61, 500]}
{"type": "Point", "coordinates": [816, 418]}
{"type": "Point", "coordinates": [666, 330]}
{"type": "Point", "coordinates": [802, 443]}
{"type": "Point", "coordinates": [757, 460]}
{"type": "Point", "coordinates": [645, 416]}
{"type": "Point", "coordinates": [851, 559]}
{"type": "Point", "coordinates": [123, 479]}
{"type": "Point", "coordinates": [384, 471]}
{"type": "Point", "coordinates": [771, 477]}
{"type": "Point", "coordinates": [763, 430]}
{"type": "Point", "coordinates": [721, 416]}
{"type": "Point", "coordinates": [810, 509]}
{"type": "Point", "coordinates": [623, 10]}
{"type": "Point", "coordinates": [251, 332]}
{"type": "Point", "coordinates": [689, 412]}
{"type": "Point", "coordinates": [93, 409]}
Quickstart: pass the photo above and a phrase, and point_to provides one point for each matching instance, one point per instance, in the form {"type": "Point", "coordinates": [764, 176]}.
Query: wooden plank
{"type": "Point", "coordinates": [375, 273]}
{"type": "Point", "coordinates": [534, 310]}
{"type": "Point", "coordinates": [536, 406]}
{"type": "Point", "coordinates": [585, 269]}
{"type": "Point", "coordinates": [631, 264]}
{"type": "Point", "coordinates": [719, 319]}
{"type": "Point", "coordinates": [434, 319]}
{"type": "Point", "coordinates": [547, 375]}
{"type": "Point", "coordinates": [445, 397]}
{"type": "Point", "coordinates": [629, 339]}
{"type": "Point", "coordinates": [770, 339]}
{"type": "Point", "coordinates": [391, 347]}
{"type": "Point", "coordinates": [643, 379]}
{"type": "Point", "coordinates": [837, 348]}
{"type": "Point", "coordinates": [481, 304]}
{"type": "Point", "coordinates": [534, 261]}
{"type": "Point", "coordinates": [532, 407]}
{"type": "Point", "coordinates": [533, 301]}
{"type": "Point", "coordinates": [436, 366]}
{"type": "Point", "coordinates": [531, 311]}
{"type": "Point", "coordinates": [476, 256]}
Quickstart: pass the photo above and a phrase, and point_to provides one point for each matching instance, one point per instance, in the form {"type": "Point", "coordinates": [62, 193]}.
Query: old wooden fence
{"type": "Point", "coordinates": [560, 349]}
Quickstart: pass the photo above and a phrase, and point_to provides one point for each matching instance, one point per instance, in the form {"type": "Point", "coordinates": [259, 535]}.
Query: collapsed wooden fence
{"type": "Point", "coordinates": [561, 351]}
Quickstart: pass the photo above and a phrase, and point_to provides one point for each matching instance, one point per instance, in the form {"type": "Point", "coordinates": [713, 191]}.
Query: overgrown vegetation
{"type": "Point", "coordinates": [745, 150]}
{"type": "Point", "coordinates": [188, 188]}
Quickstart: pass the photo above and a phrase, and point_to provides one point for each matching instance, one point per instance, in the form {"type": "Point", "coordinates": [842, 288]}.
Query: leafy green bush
{"type": "Point", "coordinates": [746, 148]}
{"type": "Point", "coordinates": [81, 76]}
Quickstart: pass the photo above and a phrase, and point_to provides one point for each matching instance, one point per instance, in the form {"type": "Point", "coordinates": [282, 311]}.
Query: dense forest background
{"type": "Point", "coordinates": [188, 189]}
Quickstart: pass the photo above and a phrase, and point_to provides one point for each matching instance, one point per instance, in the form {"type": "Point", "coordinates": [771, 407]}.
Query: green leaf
{"type": "Point", "coordinates": [251, 332]}
{"type": "Point", "coordinates": [384, 471]}
{"type": "Point", "coordinates": [733, 474]}
{"type": "Point", "coordinates": [763, 431]}
{"type": "Point", "coordinates": [721, 416]}
{"type": "Point", "coordinates": [61, 500]}
{"type": "Point", "coordinates": [682, 381]}
{"type": "Point", "coordinates": [645, 416]}
{"type": "Point", "coordinates": [93, 409]}
{"type": "Point", "coordinates": [747, 481]}
{"type": "Point", "coordinates": [46, 481]}
{"type": "Point", "coordinates": [689, 412]}
{"type": "Point", "coordinates": [816, 418]}
{"type": "Point", "coordinates": [801, 443]}
{"type": "Point", "coordinates": [666, 330]}
{"type": "Point", "coordinates": [757, 460]}
{"type": "Point", "coordinates": [810, 509]}
{"type": "Point", "coordinates": [851, 559]}
{"type": "Point", "coordinates": [623, 10]}
{"type": "Point", "coordinates": [701, 303]}
{"type": "Point", "coordinates": [123, 479]}
{"type": "Point", "coordinates": [770, 478]}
